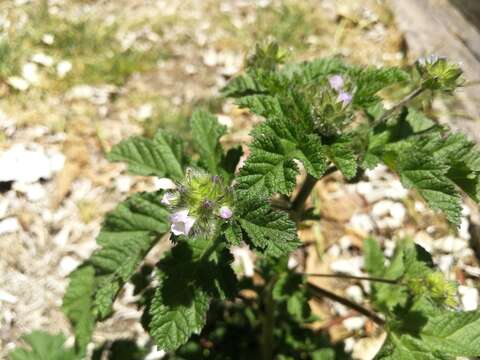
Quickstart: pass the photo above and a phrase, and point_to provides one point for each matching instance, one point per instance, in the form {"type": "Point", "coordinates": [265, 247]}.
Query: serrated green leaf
{"type": "Point", "coordinates": [160, 157]}
{"type": "Point", "coordinates": [268, 230]}
{"type": "Point", "coordinates": [342, 154]}
{"type": "Point", "coordinates": [128, 233]}
{"type": "Point", "coordinates": [420, 171]}
{"type": "Point", "coordinates": [190, 275]}
{"type": "Point", "coordinates": [444, 336]}
{"type": "Point", "coordinates": [374, 258]}
{"type": "Point", "coordinates": [368, 81]}
{"type": "Point", "coordinates": [171, 326]}
{"type": "Point", "coordinates": [286, 135]}
{"type": "Point", "coordinates": [78, 305]}
{"type": "Point", "coordinates": [206, 132]}
{"type": "Point", "coordinates": [233, 234]}
{"type": "Point", "coordinates": [43, 346]}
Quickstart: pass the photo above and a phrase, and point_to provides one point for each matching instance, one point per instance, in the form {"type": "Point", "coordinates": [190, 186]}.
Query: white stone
{"type": "Point", "coordinates": [123, 183]}
{"type": "Point", "coordinates": [362, 222]}
{"type": "Point", "coordinates": [30, 73]}
{"type": "Point", "coordinates": [18, 83]}
{"type": "Point", "coordinates": [34, 192]}
{"type": "Point", "coordinates": [354, 323]}
{"type": "Point", "coordinates": [145, 111]}
{"type": "Point", "coordinates": [42, 59]}
{"type": "Point", "coordinates": [354, 293]}
{"type": "Point", "coordinates": [9, 225]}
{"type": "Point", "coordinates": [469, 297]}
{"type": "Point", "coordinates": [155, 354]}
{"type": "Point", "coordinates": [366, 348]}
{"type": "Point", "coordinates": [63, 68]}
{"type": "Point", "coordinates": [163, 184]}
{"type": "Point", "coordinates": [7, 297]}
{"type": "Point", "coordinates": [3, 207]}
{"type": "Point", "coordinates": [225, 120]}
{"type": "Point", "coordinates": [27, 166]}
{"type": "Point", "coordinates": [450, 244]}
{"type": "Point", "coordinates": [67, 265]}
{"type": "Point", "coordinates": [48, 39]}
{"type": "Point", "coordinates": [210, 57]}
{"type": "Point", "coordinates": [351, 266]}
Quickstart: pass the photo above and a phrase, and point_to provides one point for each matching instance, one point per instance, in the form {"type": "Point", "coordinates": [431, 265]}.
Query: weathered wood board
{"type": "Point", "coordinates": [438, 26]}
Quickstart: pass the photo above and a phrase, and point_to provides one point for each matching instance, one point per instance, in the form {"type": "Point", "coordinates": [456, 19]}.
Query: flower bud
{"type": "Point", "coordinates": [439, 74]}
{"type": "Point", "coordinates": [199, 204]}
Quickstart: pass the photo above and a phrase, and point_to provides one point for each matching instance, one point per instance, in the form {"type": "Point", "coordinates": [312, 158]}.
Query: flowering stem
{"type": "Point", "coordinates": [345, 276]}
{"type": "Point", "coordinates": [209, 251]}
{"type": "Point", "coordinates": [319, 292]}
{"type": "Point", "coordinates": [400, 105]}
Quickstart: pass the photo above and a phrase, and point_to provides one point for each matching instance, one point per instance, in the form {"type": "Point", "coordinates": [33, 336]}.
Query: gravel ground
{"type": "Point", "coordinates": [61, 109]}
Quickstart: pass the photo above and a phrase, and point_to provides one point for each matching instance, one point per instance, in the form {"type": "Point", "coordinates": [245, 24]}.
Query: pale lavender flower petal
{"type": "Point", "coordinates": [168, 198]}
{"type": "Point", "coordinates": [225, 212]}
{"type": "Point", "coordinates": [181, 222]}
{"type": "Point", "coordinates": [336, 82]}
{"type": "Point", "coordinates": [344, 98]}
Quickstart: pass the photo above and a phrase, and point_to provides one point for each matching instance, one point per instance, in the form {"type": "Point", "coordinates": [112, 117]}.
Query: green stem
{"type": "Point", "coordinates": [344, 276]}
{"type": "Point", "coordinates": [298, 204]}
{"type": "Point", "coordinates": [400, 105]}
{"type": "Point", "coordinates": [319, 292]}
{"type": "Point", "coordinates": [268, 321]}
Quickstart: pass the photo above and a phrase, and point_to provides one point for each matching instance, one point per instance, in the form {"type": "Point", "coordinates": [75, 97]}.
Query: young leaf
{"type": "Point", "coordinates": [206, 132]}
{"type": "Point", "coordinates": [287, 134]}
{"type": "Point", "coordinates": [158, 157]}
{"type": "Point", "coordinates": [78, 305]}
{"type": "Point", "coordinates": [269, 231]}
{"type": "Point", "coordinates": [44, 346]}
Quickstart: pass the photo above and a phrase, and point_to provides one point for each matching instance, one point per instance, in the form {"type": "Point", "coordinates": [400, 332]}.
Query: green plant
{"type": "Point", "coordinates": [327, 115]}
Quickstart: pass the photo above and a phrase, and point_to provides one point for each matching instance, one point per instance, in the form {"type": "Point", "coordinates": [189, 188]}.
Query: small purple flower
{"type": "Point", "coordinates": [181, 222]}
{"type": "Point", "coordinates": [344, 98]}
{"type": "Point", "coordinates": [168, 198]}
{"type": "Point", "coordinates": [336, 82]}
{"type": "Point", "coordinates": [225, 212]}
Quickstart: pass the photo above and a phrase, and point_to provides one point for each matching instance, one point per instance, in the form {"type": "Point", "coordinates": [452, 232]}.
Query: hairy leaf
{"type": "Point", "coordinates": [160, 157]}
{"type": "Point", "coordinates": [269, 231]}
{"type": "Point", "coordinates": [206, 132]}
{"type": "Point", "coordinates": [78, 305]}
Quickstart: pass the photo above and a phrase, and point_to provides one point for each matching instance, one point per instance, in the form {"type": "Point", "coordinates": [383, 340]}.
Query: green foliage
{"type": "Point", "coordinates": [43, 346]}
{"type": "Point", "coordinates": [318, 117]}
{"type": "Point", "coordinates": [78, 305]}
{"type": "Point", "coordinates": [268, 230]}
{"type": "Point", "coordinates": [162, 156]}
{"type": "Point", "coordinates": [206, 133]}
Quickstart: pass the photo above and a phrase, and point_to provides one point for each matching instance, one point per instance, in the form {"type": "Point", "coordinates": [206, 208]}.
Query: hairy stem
{"type": "Point", "coordinates": [268, 321]}
{"type": "Point", "coordinates": [344, 276]}
{"type": "Point", "coordinates": [298, 204]}
{"type": "Point", "coordinates": [400, 105]}
{"type": "Point", "coordinates": [319, 292]}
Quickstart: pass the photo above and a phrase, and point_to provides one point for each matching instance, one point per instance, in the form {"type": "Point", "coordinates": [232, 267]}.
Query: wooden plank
{"type": "Point", "coordinates": [437, 26]}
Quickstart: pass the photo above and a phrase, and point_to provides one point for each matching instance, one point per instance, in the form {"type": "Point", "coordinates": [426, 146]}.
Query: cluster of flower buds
{"type": "Point", "coordinates": [332, 110]}
{"type": "Point", "coordinates": [436, 287]}
{"type": "Point", "coordinates": [439, 74]}
{"type": "Point", "coordinates": [199, 203]}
